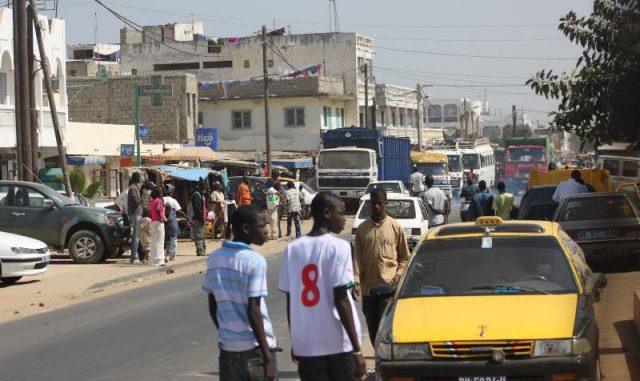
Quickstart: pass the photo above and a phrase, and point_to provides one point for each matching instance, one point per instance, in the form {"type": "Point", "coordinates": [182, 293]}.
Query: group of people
{"type": "Point", "coordinates": [272, 199]}
{"type": "Point", "coordinates": [322, 281]}
{"type": "Point", "coordinates": [153, 214]}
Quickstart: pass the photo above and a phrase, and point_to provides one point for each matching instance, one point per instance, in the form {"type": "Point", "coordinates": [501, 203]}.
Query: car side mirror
{"type": "Point", "coordinates": [48, 204]}
{"type": "Point", "coordinates": [383, 290]}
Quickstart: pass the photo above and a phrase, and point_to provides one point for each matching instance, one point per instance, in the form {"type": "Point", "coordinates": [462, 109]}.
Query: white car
{"type": "Point", "coordinates": [391, 186]}
{"type": "Point", "coordinates": [410, 212]}
{"type": "Point", "coordinates": [21, 256]}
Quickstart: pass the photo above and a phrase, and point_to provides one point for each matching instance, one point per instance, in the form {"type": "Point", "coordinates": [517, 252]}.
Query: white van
{"type": "Point", "coordinates": [620, 168]}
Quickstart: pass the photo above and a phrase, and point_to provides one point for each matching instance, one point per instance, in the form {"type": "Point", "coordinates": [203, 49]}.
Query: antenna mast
{"type": "Point", "coordinates": [333, 17]}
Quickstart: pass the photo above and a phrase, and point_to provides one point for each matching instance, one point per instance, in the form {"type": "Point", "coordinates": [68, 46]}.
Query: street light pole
{"type": "Point", "coordinates": [265, 77]}
{"type": "Point", "coordinates": [138, 158]}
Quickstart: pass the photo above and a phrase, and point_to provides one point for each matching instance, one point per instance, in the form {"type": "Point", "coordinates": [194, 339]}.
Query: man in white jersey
{"type": "Point", "coordinates": [316, 274]}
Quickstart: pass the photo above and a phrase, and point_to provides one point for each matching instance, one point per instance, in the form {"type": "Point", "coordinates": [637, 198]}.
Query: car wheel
{"type": "Point", "coordinates": [86, 246]}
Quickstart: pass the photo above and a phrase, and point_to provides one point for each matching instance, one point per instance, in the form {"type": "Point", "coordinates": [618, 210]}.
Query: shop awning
{"type": "Point", "coordinates": [188, 174]}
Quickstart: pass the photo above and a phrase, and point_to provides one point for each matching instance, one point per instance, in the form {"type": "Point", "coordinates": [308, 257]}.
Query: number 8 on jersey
{"type": "Point", "coordinates": [310, 293]}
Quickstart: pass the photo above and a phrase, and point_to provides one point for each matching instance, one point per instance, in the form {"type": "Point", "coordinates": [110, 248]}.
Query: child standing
{"type": "Point", "coordinates": [144, 232]}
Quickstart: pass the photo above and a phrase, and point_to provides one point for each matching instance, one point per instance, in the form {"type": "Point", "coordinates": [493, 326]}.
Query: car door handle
{"type": "Point", "coordinates": [19, 214]}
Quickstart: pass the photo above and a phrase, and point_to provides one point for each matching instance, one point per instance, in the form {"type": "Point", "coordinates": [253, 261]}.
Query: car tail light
{"type": "Point", "coordinates": [353, 231]}
{"type": "Point", "coordinates": [416, 231]}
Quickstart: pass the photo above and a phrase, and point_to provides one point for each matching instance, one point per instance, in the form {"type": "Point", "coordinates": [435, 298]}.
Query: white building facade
{"type": "Point", "coordinates": [397, 111]}
{"type": "Point", "coordinates": [53, 31]}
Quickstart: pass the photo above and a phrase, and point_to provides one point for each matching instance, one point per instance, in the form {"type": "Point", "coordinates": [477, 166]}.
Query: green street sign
{"type": "Point", "coordinates": [156, 90]}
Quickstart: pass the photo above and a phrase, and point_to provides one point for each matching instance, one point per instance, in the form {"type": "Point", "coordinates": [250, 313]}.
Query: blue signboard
{"type": "Point", "coordinates": [127, 149]}
{"type": "Point", "coordinates": [144, 132]}
{"type": "Point", "coordinates": [207, 137]}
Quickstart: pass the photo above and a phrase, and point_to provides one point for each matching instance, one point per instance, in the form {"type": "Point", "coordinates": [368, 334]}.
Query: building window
{"type": "Point", "coordinates": [177, 66]}
{"type": "Point", "coordinates": [342, 124]}
{"type": "Point", "coordinates": [384, 123]}
{"type": "Point", "coordinates": [134, 71]}
{"type": "Point", "coordinates": [213, 47]}
{"type": "Point", "coordinates": [200, 118]}
{"type": "Point", "coordinates": [246, 64]}
{"type": "Point", "coordinates": [401, 118]}
{"type": "Point", "coordinates": [294, 117]}
{"type": "Point", "coordinates": [326, 117]}
{"type": "Point", "coordinates": [434, 113]}
{"type": "Point", "coordinates": [240, 119]}
{"type": "Point", "coordinates": [451, 113]}
{"type": "Point", "coordinates": [217, 64]}
{"type": "Point", "coordinates": [4, 98]}
{"type": "Point", "coordinates": [393, 118]}
{"type": "Point", "coordinates": [270, 63]}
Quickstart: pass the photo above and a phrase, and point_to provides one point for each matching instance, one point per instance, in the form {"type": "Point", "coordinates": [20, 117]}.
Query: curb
{"type": "Point", "coordinates": [157, 271]}
{"type": "Point", "coordinates": [144, 274]}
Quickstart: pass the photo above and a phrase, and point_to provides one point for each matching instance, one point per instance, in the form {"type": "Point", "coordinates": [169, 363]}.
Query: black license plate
{"type": "Point", "coordinates": [343, 193]}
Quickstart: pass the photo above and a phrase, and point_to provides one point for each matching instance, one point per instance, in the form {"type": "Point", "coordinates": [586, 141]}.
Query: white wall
{"type": "Point", "coordinates": [218, 114]}
{"type": "Point", "coordinates": [54, 41]}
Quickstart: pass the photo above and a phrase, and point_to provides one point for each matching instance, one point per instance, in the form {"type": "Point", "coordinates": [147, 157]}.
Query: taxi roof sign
{"type": "Point", "coordinates": [489, 221]}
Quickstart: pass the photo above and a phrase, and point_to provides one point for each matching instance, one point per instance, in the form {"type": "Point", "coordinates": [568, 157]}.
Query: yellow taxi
{"type": "Point", "coordinates": [491, 301]}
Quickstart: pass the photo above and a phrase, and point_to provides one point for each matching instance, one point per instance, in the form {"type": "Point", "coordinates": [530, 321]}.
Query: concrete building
{"type": "Point", "coordinates": [299, 109]}
{"type": "Point", "coordinates": [397, 111]}
{"type": "Point", "coordinates": [91, 60]}
{"type": "Point", "coordinates": [53, 31]}
{"type": "Point", "coordinates": [112, 101]}
{"type": "Point", "coordinates": [453, 115]}
{"type": "Point", "coordinates": [180, 48]}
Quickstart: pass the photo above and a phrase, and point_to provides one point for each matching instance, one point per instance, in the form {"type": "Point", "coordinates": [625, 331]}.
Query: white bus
{"type": "Point", "coordinates": [481, 159]}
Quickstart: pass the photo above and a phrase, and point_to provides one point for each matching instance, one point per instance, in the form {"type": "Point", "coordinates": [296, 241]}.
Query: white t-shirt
{"type": "Point", "coordinates": [417, 182]}
{"type": "Point", "coordinates": [437, 199]}
{"type": "Point", "coordinates": [311, 268]}
{"type": "Point", "coordinates": [172, 202]}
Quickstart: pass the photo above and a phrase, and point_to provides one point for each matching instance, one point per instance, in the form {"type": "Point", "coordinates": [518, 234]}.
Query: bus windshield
{"type": "Point", "coordinates": [344, 160]}
{"type": "Point", "coordinates": [470, 161]}
{"type": "Point", "coordinates": [525, 154]}
{"type": "Point", "coordinates": [433, 169]}
{"type": "Point", "coordinates": [454, 163]}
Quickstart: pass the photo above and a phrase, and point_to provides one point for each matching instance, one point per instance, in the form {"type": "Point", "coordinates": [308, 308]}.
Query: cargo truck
{"type": "Point", "coordinates": [353, 157]}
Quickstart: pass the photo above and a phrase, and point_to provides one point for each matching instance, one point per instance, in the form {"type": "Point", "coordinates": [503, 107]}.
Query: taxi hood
{"type": "Point", "coordinates": [486, 317]}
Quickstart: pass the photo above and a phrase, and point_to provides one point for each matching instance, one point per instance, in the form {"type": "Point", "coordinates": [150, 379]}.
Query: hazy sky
{"type": "Point", "coordinates": [523, 32]}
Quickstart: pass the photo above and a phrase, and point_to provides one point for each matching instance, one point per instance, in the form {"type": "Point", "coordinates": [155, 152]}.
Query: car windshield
{"type": "Point", "coordinates": [388, 187]}
{"type": "Point", "coordinates": [60, 198]}
{"type": "Point", "coordinates": [597, 208]}
{"type": "Point", "coordinates": [434, 169]}
{"type": "Point", "coordinates": [461, 266]}
{"type": "Point", "coordinates": [398, 209]}
{"type": "Point", "coordinates": [525, 154]}
{"type": "Point", "coordinates": [344, 160]}
{"type": "Point", "coordinates": [454, 163]}
{"type": "Point", "coordinates": [470, 161]}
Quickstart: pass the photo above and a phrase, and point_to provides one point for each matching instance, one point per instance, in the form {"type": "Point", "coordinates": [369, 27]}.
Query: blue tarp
{"type": "Point", "coordinates": [294, 164]}
{"type": "Point", "coordinates": [189, 174]}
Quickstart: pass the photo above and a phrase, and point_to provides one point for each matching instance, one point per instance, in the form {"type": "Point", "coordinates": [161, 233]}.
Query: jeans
{"type": "Point", "coordinates": [135, 238]}
{"type": "Point", "coordinates": [372, 308]}
{"type": "Point", "coordinates": [171, 246]}
{"type": "Point", "coordinates": [197, 233]}
{"type": "Point", "coordinates": [338, 367]}
{"type": "Point", "coordinates": [295, 216]}
{"type": "Point", "coordinates": [244, 366]}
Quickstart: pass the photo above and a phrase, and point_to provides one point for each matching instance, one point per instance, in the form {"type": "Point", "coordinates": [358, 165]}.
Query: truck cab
{"type": "Point", "coordinates": [346, 171]}
{"type": "Point", "coordinates": [434, 164]}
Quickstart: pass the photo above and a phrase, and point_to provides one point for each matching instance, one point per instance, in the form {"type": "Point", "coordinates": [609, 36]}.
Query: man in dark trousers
{"type": "Point", "coordinates": [134, 211]}
{"type": "Point", "coordinates": [466, 196]}
{"type": "Point", "coordinates": [482, 202]}
{"type": "Point", "coordinates": [198, 210]}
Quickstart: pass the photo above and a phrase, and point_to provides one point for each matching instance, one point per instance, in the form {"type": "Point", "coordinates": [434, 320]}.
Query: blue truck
{"type": "Point", "coordinates": [353, 157]}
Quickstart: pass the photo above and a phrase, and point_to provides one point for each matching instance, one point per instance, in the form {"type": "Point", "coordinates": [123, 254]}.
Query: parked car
{"type": "Point", "coordinates": [37, 211]}
{"type": "Point", "coordinates": [538, 204]}
{"type": "Point", "coordinates": [410, 212]}
{"type": "Point", "coordinates": [491, 300]}
{"type": "Point", "coordinates": [604, 224]}
{"type": "Point", "coordinates": [21, 256]}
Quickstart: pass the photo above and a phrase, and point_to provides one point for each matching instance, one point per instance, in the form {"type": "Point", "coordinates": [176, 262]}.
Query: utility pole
{"type": "Point", "coordinates": [419, 115]}
{"type": "Point", "coordinates": [44, 63]}
{"type": "Point", "coordinates": [265, 78]}
{"type": "Point", "coordinates": [366, 94]}
{"type": "Point", "coordinates": [33, 111]}
{"type": "Point", "coordinates": [17, 95]}
{"type": "Point", "coordinates": [514, 115]}
{"type": "Point", "coordinates": [464, 120]}
{"type": "Point", "coordinates": [23, 86]}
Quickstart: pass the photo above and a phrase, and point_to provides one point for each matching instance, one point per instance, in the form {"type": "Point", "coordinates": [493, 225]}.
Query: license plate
{"type": "Point", "coordinates": [343, 193]}
{"type": "Point", "coordinates": [595, 233]}
{"type": "Point", "coordinates": [46, 258]}
{"type": "Point", "coordinates": [483, 378]}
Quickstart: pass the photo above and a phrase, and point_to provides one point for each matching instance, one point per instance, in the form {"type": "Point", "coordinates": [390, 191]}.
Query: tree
{"type": "Point", "coordinates": [521, 131]}
{"type": "Point", "coordinates": [599, 98]}
{"type": "Point", "coordinates": [79, 185]}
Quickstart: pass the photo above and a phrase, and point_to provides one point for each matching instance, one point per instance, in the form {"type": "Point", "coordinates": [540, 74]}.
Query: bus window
{"type": "Point", "coordinates": [613, 166]}
{"type": "Point", "coordinates": [630, 169]}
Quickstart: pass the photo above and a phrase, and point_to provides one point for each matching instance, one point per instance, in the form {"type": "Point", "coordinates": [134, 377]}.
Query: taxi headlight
{"type": "Point", "coordinates": [411, 351]}
{"type": "Point", "coordinates": [383, 350]}
{"type": "Point", "coordinates": [550, 348]}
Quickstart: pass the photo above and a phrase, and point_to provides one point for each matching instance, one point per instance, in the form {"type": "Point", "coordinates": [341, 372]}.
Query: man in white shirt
{"type": "Point", "coordinates": [316, 274]}
{"type": "Point", "coordinates": [417, 182]}
{"type": "Point", "coordinates": [437, 203]}
{"type": "Point", "coordinates": [569, 187]}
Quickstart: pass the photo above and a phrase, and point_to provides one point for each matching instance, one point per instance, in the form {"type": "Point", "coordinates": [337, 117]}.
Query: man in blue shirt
{"type": "Point", "coordinates": [481, 203]}
{"type": "Point", "coordinates": [236, 282]}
